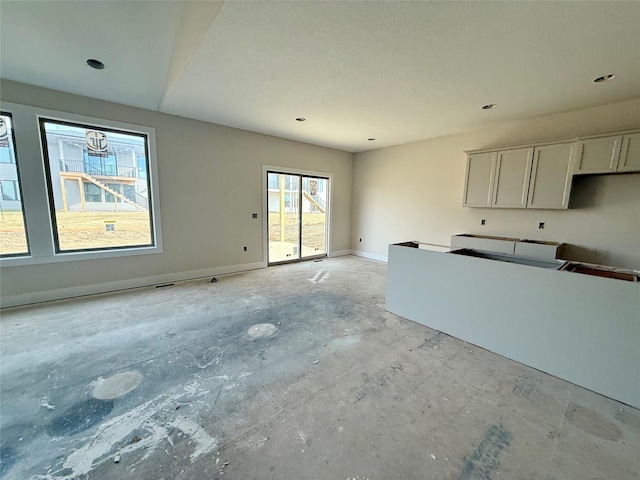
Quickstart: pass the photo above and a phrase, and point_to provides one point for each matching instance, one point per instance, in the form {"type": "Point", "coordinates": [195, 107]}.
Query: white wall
{"type": "Point", "coordinates": [414, 192]}
{"type": "Point", "coordinates": [210, 183]}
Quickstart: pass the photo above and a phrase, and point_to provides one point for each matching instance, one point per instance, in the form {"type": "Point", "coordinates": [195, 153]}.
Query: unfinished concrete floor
{"type": "Point", "coordinates": [293, 372]}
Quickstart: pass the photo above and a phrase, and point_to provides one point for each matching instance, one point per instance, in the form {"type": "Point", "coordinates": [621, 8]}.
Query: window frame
{"type": "Point", "coordinates": [16, 161]}
{"type": "Point", "coordinates": [35, 193]}
{"type": "Point", "coordinates": [105, 164]}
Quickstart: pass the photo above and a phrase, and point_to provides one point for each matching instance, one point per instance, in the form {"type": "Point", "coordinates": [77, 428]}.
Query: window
{"type": "Point", "coordinates": [100, 197]}
{"type": "Point", "coordinates": [13, 234]}
{"type": "Point", "coordinates": [100, 166]}
{"type": "Point", "coordinates": [142, 168]}
{"type": "Point", "coordinates": [129, 191]}
{"type": "Point", "coordinates": [110, 197]}
{"type": "Point", "coordinates": [7, 154]}
{"type": "Point", "coordinates": [290, 183]}
{"type": "Point", "coordinates": [84, 210]}
{"type": "Point", "coordinates": [10, 190]}
{"type": "Point", "coordinates": [92, 193]}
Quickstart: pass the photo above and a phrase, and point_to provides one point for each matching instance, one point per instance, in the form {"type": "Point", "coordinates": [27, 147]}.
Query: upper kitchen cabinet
{"type": "Point", "coordinates": [478, 187]}
{"type": "Point", "coordinates": [513, 171]}
{"type": "Point", "coordinates": [550, 184]}
{"type": "Point", "coordinates": [619, 153]}
{"type": "Point", "coordinates": [540, 176]}
{"type": "Point", "coordinates": [532, 177]}
{"type": "Point", "coordinates": [598, 155]}
{"type": "Point", "coordinates": [630, 153]}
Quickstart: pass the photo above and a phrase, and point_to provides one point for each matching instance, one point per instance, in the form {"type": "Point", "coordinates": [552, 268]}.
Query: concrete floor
{"type": "Point", "coordinates": [293, 372]}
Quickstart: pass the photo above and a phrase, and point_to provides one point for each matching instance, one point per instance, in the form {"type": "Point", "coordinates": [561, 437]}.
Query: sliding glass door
{"type": "Point", "coordinates": [314, 217]}
{"type": "Point", "coordinates": [284, 217]}
{"type": "Point", "coordinates": [297, 208]}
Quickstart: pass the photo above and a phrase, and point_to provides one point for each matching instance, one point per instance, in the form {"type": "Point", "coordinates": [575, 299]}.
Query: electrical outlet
{"type": "Point", "coordinates": [254, 215]}
{"type": "Point", "coordinates": [245, 248]}
{"type": "Point", "coordinates": [541, 225]}
{"type": "Point", "coordinates": [483, 222]}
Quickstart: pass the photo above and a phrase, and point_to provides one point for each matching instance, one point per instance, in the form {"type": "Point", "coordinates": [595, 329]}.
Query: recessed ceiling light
{"type": "Point", "coordinates": [604, 78]}
{"type": "Point", "coordinates": [371, 139]}
{"type": "Point", "coordinates": [300, 119]}
{"type": "Point", "coordinates": [97, 64]}
{"type": "Point", "coordinates": [489, 106]}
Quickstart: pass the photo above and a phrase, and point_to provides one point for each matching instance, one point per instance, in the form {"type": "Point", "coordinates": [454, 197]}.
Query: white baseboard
{"type": "Point", "coordinates": [82, 290]}
{"type": "Point", "coordinates": [371, 256]}
{"type": "Point", "coordinates": [339, 253]}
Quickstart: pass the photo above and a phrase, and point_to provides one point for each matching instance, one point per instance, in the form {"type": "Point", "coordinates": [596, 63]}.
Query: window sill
{"type": "Point", "coordinates": [73, 256]}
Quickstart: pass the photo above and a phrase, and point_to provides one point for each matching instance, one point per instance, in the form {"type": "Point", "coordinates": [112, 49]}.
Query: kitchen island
{"type": "Point", "coordinates": [582, 328]}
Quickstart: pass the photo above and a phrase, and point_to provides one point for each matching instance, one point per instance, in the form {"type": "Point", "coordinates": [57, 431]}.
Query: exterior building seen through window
{"type": "Point", "coordinates": [13, 234]}
{"type": "Point", "coordinates": [99, 189]}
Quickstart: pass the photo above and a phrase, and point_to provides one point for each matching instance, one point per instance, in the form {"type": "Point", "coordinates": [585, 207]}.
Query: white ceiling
{"type": "Point", "coordinates": [395, 71]}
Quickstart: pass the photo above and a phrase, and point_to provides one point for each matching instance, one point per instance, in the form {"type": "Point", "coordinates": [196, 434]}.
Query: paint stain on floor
{"type": "Point", "coordinates": [484, 461]}
{"type": "Point", "coordinates": [8, 457]}
{"type": "Point", "coordinates": [526, 386]}
{"type": "Point", "coordinates": [592, 423]}
{"type": "Point", "coordinates": [628, 417]}
{"type": "Point", "coordinates": [80, 416]}
{"type": "Point", "coordinates": [116, 385]}
{"type": "Point", "coordinates": [262, 330]}
{"type": "Point", "coordinates": [434, 341]}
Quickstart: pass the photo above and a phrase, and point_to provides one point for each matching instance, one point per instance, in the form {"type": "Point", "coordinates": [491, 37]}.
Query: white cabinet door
{"type": "Point", "coordinates": [513, 170]}
{"type": "Point", "coordinates": [598, 155]}
{"type": "Point", "coordinates": [630, 154]}
{"type": "Point", "coordinates": [478, 186]}
{"type": "Point", "coordinates": [551, 177]}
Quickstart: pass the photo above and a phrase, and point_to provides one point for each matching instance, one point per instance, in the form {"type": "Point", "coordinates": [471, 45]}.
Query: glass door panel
{"type": "Point", "coordinates": [314, 225]}
{"type": "Point", "coordinates": [283, 193]}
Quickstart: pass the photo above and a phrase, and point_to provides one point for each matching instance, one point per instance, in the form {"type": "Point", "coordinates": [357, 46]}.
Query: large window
{"type": "Point", "coordinates": [87, 190]}
{"type": "Point", "coordinates": [13, 234]}
{"type": "Point", "coordinates": [98, 191]}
